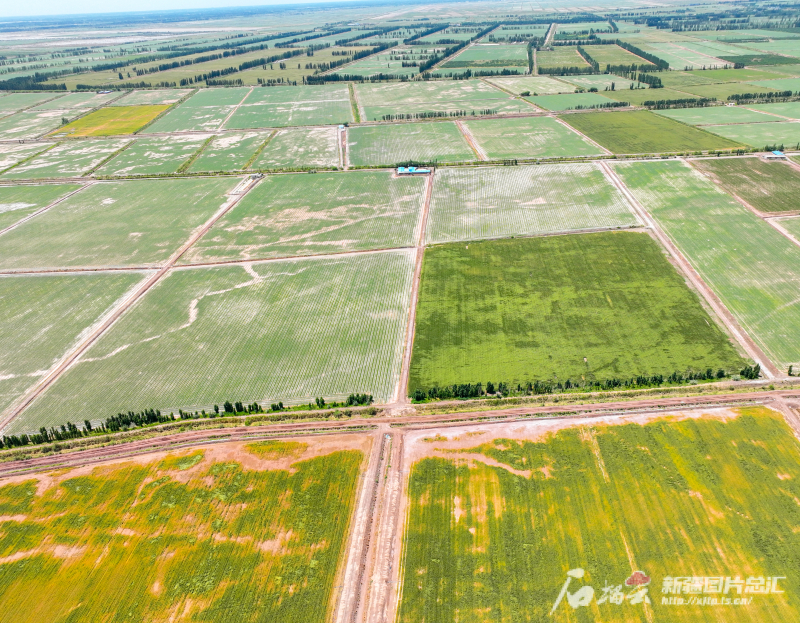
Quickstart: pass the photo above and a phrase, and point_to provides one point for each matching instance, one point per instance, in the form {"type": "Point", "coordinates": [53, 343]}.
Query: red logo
{"type": "Point", "coordinates": [638, 578]}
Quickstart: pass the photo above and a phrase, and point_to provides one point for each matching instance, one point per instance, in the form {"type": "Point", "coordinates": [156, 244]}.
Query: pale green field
{"type": "Point", "coordinates": [570, 101]}
{"type": "Point", "coordinates": [491, 56]}
{"type": "Point", "coordinates": [792, 225]}
{"type": "Point", "coordinates": [12, 153]}
{"type": "Point", "coordinates": [751, 267]}
{"type": "Point", "coordinates": [13, 102]}
{"type": "Point", "coordinates": [131, 223]}
{"type": "Point", "coordinates": [228, 152]}
{"type": "Point", "coordinates": [785, 109]}
{"type": "Point", "coordinates": [718, 115]}
{"type": "Point", "coordinates": [17, 202]}
{"type": "Point", "coordinates": [529, 137]}
{"type": "Point", "coordinates": [68, 159]}
{"type": "Point", "coordinates": [203, 111]}
{"type": "Point", "coordinates": [533, 84]}
{"type": "Point", "coordinates": [41, 316]}
{"type": "Point", "coordinates": [614, 55]}
{"type": "Point", "coordinates": [79, 101]}
{"type": "Point", "coordinates": [394, 143]}
{"type": "Point", "coordinates": [759, 135]}
{"type": "Point", "coordinates": [499, 202]}
{"type": "Point", "coordinates": [295, 148]}
{"type": "Point", "coordinates": [152, 97]}
{"type": "Point", "coordinates": [29, 124]}
{"type": "Point", "coordinates": [599, 81]}
{"type": "Point", "coordinates": [315, 327]}
{"type": "Point", "coordinates": [394, 98]}
{"type": "Point", "coordinates": [293, 106]}
{"type": "Point", "coordinates": [152, 156]}
{"type": "Point", "coordinates": [562, 56]}
{"type": "Point", "coordinates": [302, 214]}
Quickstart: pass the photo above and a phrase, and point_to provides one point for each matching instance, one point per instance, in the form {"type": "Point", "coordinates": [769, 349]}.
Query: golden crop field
{"type": "Point", "coordinates": [111, 121]}
{"type": "Point", "coordinates": [231, 532]}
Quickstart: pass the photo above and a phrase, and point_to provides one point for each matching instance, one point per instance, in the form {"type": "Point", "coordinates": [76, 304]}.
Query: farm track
{"type": "Point", "coordinates": [71, 357]}
{"type": "Point", "coordinates": [235, 108]}
{"type": "Point", "coordinates": [471, 141]}
{"type": "Point", "coordinates": [732, 325]}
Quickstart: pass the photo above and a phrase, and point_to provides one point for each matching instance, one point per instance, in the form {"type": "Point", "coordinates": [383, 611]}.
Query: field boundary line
{"type": "Point", "coordinates": [47, 207]}
{"type": "Point", "coordinates": [471, 141]}
{"type": "Point", "coordinates": [721, 311]}
{"type": "Point", "coordinates": [167, 111]}
{"type": "Point", "coordinates": [548, 38]}
{"type": "Point", "coordinates": [582, 135]}
{"type": "Point", "coordinates": [70, 358]}
{"type": "Point", "coordinates": [401, 393]}
{"type": "Point", "coordinates": [29, 158]}
{"type": "Point", "coordinates": [108, 158]}
{"type": "Point", "coordinates": [235, 108]}
{"type": "Point", "coordinates": [190, 160]}
{"type": "Point", "coordinates": [355, 104]}
{"type": "Point", "coordinates": [342, 143]}
{"type": "Point", "coordinates": [257, 153]}
{"type": "Point", "coordinates": [763, 112]}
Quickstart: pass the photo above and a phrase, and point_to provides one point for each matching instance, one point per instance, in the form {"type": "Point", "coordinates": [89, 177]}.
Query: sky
{"type": "Point", "coordinates": [10, 8]}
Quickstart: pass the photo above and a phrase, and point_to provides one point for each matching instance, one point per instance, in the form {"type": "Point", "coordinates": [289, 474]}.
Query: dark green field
{"type": "Point", "coordinates": [642, 132]}
{"type": "Point", "coordinates": [531, 309]}
{"type": "Point", "coordinates": [767, 186]}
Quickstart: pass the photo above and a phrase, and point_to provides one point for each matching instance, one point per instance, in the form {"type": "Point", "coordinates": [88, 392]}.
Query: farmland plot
{"type": "Point", "coordinates": [570, 101]}
{"type": "Point", "coordinates": [41, 316]}
{"type": "Point", "coordinates": [760, 135]}
{"type": "Point", "coordinates": [68, 159]}
{"type": "Point", "coordinates": [379, 145]}
{"type": "Point", "coordinates": [17, 202]}
{"type": "Point", "coordinates": [614, 55]}
{"type": "Point", "coordinates": [530, 137]}
{"type": "Point", "coordinates": [491, 56]}
{"type": "Point", "coordinates": [790, 110]}
{"type": "Point", "coordinates": [751, 267]}
{"type": "Point", "coordinates": [152, 156]}
{"type": "Point", "coordinates": [541, 85]}
{"type": "Point", "coordinates": [293, 106]}
{"type": "Point", "coordinates": [111, 120]}
{"type": "Point", "coordinates": [298, 148]}
{"type": "Point", "coordinates": [498, 202]}
{"type": "Point", "coordinates": [498, 516]}
{"type": "Point", "coordinates": [288, 215]}
{"type": "Point", "coordinates": [718, 115]}
{"type": "Point", "coordinates": [29, 124]}
{"type": "Point", "coordinates": [315, 327]}
{"type": "Point", "coordinates": [152, 98]}
{"type": "Point", "coordinates": [203, 111]}
{"type": "Point", "coordinates": [637, 97]}
{"type": "Point", "coordinates": [644, 132]}
{"type": "Point", "coordinates": [17, 101]}
{"type": "Point", "coordinates": [229, 152]}
{"type": "Point", "coordinates": [131, 223]}
{"type": "Point", "coordinates": [390, 62]}
{"type": "Point", "coordinates": [723, 91]}
{"type": "Point", "coordinates": [582, 307]}
{"type": "Point", "coordinates": [11, 154]}
{"type": "Point", "coordinates": [406, 98]}
{"type": "Point", "coordinates": [231, 532]}
{"type": "Point", "coordinates": [562, 56]}
{"type": "Point", "coordinates": [767, 186]}
{"type": "Point", "coordinates": [78, 101]}
{"type": "Point", "coordinates": [600, 82]}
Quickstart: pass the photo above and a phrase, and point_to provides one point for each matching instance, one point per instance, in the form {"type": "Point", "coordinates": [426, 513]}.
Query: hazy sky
{"type": "Point", "coordinates": [12, 8]}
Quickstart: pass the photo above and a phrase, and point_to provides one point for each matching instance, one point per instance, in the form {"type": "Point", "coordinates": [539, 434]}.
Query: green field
{"type": "Point", "coordinates": [153, 156]}
{"type": "Point", "coordinates": [570, 101]}
{"type": "Point", "coordinates": [133, 223]}
{"type": "Point", "coordinates": [298, 148]}
{"type": "Point", "coordinates": [790, 110]}
{"type": "Point", "coordinates": [42, 316]}
{"type": "Point", "coordinates": [29, 124]}
{"type": "Point", "coordinates": [638, 97]}
{"type": "Point", "coordinates": [228, 152]}
{"type": "Point", "coordinates": [493, 529]}
{"type": "Point", "coordinates": [288, 215]}
{"type": "Point", "coordinates": [389, 144]}
{"type": "Point", "coordinates": [152, 98]}
{"type": "Point", "coordinates": [315, 327]}
{"type": "Point", "coordinates": [203, 111]}
{"type": "Point", "coordinates": [12, 153]}
{"type": "Point", "coordinates": [561, 56]}
{"type": "Point", "coordinates": [13, 102]}
{"type": "Point", "coordinates": [541, 85]}
{"type": "Point", "coordinates": [767, 186]}
{"type": "Point", "coordinates": [388, 62]}
{"type": "Point", "coordinates": [644, 132]}
{"type": "Point", "coordinates": [408, 98]}
{"type": "Point", "coordinates": [759, 135]}
{"type": "Point", "coordinates": [491, 56]}
{"type": "Point", "coordinates": [580, 307]}
{"type": "Point", "coordinates": [722, 91]}
{"type": "Point", "coordinates": [751, 267]}
{"type": "Point", "coordinates": [68, 159]}
{"type": "Point", "coordinates": [600, 82]}
{"type": "Point", "coordinates": [17, 202]}
{"type": "Point", "coordinates": [78, 102]}
{"type": "Point", "coordinates": [792, 225]}
{"type": "Point", "coordinates": [718, 115]}
{"type": "Point", "coordinates": [293, 106]}
{"type": "Point", "coordinates": [529, 137]}
{"type": "Point", "coordinates": [257, 532]}
{"type": "Point", "coordinates": [614, 55]}
{"type": "Point", "coordinates": [498, 202]}
{"type": "Point", "coordinates": [111, 120]}
{"type": "Point", "coordinates": [781, 84]}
